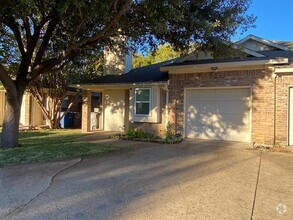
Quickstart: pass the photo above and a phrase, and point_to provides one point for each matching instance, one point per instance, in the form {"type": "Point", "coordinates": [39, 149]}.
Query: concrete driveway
{"type": "Point", "coordinates": [192, 180]}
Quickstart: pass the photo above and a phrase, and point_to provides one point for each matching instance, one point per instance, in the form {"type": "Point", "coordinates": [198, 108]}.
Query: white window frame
{"type": "Point", "coordinates": [150, 101]}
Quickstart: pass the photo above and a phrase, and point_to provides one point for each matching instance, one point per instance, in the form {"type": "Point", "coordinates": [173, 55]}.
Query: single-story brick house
{"type": "Point", "coordinates": [245, 98]}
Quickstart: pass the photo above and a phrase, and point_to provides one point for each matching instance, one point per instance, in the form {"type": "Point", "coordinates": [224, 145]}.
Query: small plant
{"type": "Point", "coordinates": [170, 137]}
{"type": "Point", "coordinates": [169, 131]}
{"type": "Point", "coordinates": [133, 134]}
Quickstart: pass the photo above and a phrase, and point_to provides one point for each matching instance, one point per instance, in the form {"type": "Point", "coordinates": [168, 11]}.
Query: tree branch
{"type": "Point", "coordinates": [115, 3]}
{"type": "Point", "coordinates": [51, 26]}
{"type": "Point", "coordinates": [15, 29]}
{"type": "Point", "coordinates": [7, 81]}
{"type": "Point", "coordinates": [27, 31]}
{"type": "Point", "coordinates": [113, 21]}
{"type": "Point", "coordinates": [35, 37]}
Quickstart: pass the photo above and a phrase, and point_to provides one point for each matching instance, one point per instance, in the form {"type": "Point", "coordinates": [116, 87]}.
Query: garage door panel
{"type": "Point", "coordinates": [201, 95]}
{"type": "Point", "coordinates": [223, 115]}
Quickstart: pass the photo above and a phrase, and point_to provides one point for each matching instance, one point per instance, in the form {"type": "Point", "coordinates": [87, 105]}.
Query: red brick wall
{"type": "Point", "coordinates": [282, 92]}
{"type": "Point", "coordinates": [262, 84]}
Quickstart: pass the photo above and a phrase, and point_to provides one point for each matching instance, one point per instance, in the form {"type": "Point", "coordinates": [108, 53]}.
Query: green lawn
{"type": "Point", "coordinates": [52, 145]}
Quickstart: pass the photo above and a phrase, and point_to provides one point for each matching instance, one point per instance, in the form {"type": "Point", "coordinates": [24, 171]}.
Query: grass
{"type": "Point", "coordinates": [52, 145]}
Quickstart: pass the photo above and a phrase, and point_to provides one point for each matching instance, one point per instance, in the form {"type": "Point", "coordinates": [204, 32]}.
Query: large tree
{"type": "Point", "coordinates": [40, 36]}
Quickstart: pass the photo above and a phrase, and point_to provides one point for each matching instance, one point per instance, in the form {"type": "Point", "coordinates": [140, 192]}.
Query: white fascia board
{"type": "Point", "coordinates": [115, 86]}
{"type": "Point", "coordinates": [263, 41]}
{"type": "Point", "coordinates": [222, 66]}
{"type": "Point", "coordinates": [284, 69]}
{"type": "Point", "coordinates": [247, 51]}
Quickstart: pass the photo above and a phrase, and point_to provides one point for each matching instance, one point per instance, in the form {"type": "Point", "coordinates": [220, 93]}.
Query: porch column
{"type": "Point", "coordinates": [86, 111]}
{"type": "Point", "coordinates": [26, 104]}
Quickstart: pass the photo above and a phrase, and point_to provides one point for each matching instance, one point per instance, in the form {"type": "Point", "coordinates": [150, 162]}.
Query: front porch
{"type": "Point", "coordinates": [105, 109]}
{"type": "Point", "coordinates": [119, 108]}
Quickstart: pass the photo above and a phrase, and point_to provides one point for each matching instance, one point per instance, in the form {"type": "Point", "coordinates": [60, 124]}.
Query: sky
{"type": "Point", "coordinates": [274, 20]}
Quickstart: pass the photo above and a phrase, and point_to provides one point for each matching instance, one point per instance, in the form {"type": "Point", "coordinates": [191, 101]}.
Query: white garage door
{"type": "Point", "coordinates": [218, 114]}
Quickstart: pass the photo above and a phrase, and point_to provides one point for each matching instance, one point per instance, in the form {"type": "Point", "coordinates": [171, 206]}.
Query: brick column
{"type": "Point", "coordinates": [86, 111]}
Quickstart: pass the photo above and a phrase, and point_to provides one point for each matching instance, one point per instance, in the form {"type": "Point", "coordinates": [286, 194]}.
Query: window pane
{"type": "Point", "coordinates": [142, 94]}
{"type": "Point", "coordinates": [142, 108]}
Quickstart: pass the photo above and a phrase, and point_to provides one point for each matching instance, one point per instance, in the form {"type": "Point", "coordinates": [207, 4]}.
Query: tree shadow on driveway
{"type": "Point", "coordinates": [154, 181]}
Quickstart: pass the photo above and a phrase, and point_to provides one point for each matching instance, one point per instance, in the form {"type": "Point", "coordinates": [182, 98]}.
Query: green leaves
{"type": "Point", "coordinates": [163, 53]}
{"type": "Point", "coordinates": [49, 33]}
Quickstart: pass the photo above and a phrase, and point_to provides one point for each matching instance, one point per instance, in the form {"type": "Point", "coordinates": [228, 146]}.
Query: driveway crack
{"type": "Point", "coordinates": [51, 182]}
{"type": "Point", "coordinates": [256, 186]}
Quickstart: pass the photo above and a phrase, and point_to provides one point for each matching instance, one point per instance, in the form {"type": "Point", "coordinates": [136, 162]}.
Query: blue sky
{"type": "Point", "coordinates": [274, 20]}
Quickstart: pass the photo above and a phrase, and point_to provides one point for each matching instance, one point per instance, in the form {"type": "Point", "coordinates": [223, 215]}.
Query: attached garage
{"type": "Point", "coordinates": [218, 114]}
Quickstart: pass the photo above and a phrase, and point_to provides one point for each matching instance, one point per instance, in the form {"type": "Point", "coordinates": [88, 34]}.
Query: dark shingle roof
{"type": "Point", "coordinates": [207, 61]}
{"type": "Point", "coordinates": [268, 55]}
{"type": "Point", "coordinates": [278, 53]}
{"type": "Point", "coordinates": [152, 73]}
{"type": "Point", "coordinates": [288, 44]}
{"type": "Point", "coordinates": [146, 74]}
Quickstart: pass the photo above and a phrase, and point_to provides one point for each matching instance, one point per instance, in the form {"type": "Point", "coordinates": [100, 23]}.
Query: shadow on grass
{"type": "Point", "coordinates": [52, 145]}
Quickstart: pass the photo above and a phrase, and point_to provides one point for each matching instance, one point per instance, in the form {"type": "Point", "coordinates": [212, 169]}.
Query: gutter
{"type": "Point", "coordinates": [116, 85]}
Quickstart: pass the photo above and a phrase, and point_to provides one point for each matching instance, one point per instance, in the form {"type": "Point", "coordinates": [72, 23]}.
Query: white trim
{"type": "Point", "coordinates": [263, 41]}
{"type": "Point", "coordinates": [247, 51]}
{"type": "Point", "coordinates": [116, 85]}
{"type": "Point", "coordinates": [184, 109]}
{"type": "Point", "coordinates": [288, 115]}
{"type": "Point", "coordinates": [284, 70]}
{"type": "Point", "coordinates": [103, 110]}
{"type": "Point", "coordinates": [150, 102]}
{"type": "Point", "coordinates": [166, 106]}
{"type": "Point", "coordinates": [219, 88]}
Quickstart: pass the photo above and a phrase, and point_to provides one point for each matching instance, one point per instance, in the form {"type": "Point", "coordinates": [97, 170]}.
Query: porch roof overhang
{"type": "Point", "coordinates": [117, 85]}
{"type": "Point", "coordinates": [223, 66]}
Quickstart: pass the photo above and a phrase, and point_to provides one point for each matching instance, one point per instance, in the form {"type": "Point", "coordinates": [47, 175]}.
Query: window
{"type": "Point", "coordinates": [142, 101]}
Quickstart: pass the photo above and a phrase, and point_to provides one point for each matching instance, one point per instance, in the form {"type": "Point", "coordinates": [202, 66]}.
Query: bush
{"type": "Point", "coordinates": [169, 131]}
{"type": "Point", "coordinates": [170, 137]}
{"type": "Point", "coordinates": [138, 134]}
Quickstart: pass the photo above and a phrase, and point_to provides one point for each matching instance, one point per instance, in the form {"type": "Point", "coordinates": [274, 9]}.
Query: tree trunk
{"type": "Point", "coordinates": [10, 129]}
{"type": "Point", "coordinates": [54, 124]}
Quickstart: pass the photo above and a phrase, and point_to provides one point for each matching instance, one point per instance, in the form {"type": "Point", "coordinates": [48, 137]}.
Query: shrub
{"type": "Point", "coordinates": [170, 137]}
{"type": "Point", "coordinates": [132, 134]}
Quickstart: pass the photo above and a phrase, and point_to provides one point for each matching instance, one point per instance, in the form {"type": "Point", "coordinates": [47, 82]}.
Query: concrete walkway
{"type": "Point", "coordinates": [192, 180]}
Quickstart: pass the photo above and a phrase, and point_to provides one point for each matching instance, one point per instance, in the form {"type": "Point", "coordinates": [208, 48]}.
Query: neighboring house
{"type": "Point", "coordinates": [30, 115]}
{"type": "Point", "coordinates": [245, 98]}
